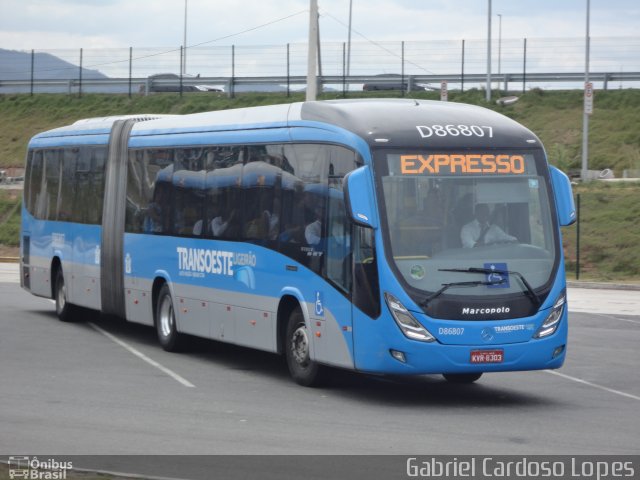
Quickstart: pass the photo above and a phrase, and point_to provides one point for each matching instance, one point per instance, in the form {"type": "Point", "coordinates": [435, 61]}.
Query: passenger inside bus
{"type": "Point", "coordinates": [223, 223]}
{"type": "Point", "coordinates": [153, 219]}
{"type": "Point", "coordinates": [482, 231]}
{"type": "Point", "coordinates": [313, 231]}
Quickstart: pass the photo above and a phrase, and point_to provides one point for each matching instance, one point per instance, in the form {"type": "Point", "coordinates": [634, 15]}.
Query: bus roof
{"type": "Point", "coordinates": [380, 122]}
{"type": "Point", "coordinates": [96, 125]}
{"type": "Point", "coordinates": [421, 123]}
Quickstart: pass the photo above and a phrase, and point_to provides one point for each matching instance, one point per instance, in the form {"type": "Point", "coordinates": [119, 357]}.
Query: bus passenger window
{"type": "Point", "coordinates": [304, 194]}
{"type": "Point", "coordinates": [52, 184]}
{"type": "Point", "coordinates": [157, 166]}
{"type": "Point", "coordinates": [261, 185]}
{"type": "Point", "coordinates": [34, 186]}
{"type": "Point", "coordinates": [67, 186]}
{"type": "Point", "coordinates": [338, 246]}
{"type": "Point", "coordinates": [188, 192]}
{"type": "Point", "coordinates": [366, 292]}
{"type": "Point", "coordinates": [223, 201]}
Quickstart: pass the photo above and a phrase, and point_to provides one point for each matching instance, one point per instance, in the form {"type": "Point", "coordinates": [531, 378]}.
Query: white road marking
{"type": "Point", "coordinates": [143, 357]}
{"type": "Point", "coordinates": [628, 320]}
{"type": "Point", "coordinates": [591, 384]}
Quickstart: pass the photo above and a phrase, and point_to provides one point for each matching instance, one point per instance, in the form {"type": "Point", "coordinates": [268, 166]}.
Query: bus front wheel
{"type": "Point", "coordinates": [303, 370]}
{"type": "Point", "coordinates": [462, 378]}
{"type": "Point", "coordinates": [170, 339]}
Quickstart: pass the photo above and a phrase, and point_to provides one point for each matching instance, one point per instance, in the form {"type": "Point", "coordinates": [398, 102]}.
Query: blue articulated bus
{"type": "Point", "coordinates": [385, 236]}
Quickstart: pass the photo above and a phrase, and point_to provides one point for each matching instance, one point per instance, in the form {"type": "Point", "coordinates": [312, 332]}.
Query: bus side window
{"type": "Point", "coordinates": [135, 196]}
{"type": "Point", "coordinates": [338, 239]}
{"type": "Point", "coordinates": [98, 164]}
{"type": "Point", "coordinates": [35, 182]}
{"type": "Point", "coordinates": [52, 184]}
{"type": "Point", "coordinates": [366, 293]}
{"type": "Point", "coordinates": [261, 182]}
{"type": "Point", "coordinates": [223, 201]}
{"type": "Point", "coordinates": [303, 213]}
{"type": "Point", "coordinates": [338, 253]}
{"type": "Point", "coordinates": [67, 185]}
{"type": "Point", "coordinates": [188, 190]}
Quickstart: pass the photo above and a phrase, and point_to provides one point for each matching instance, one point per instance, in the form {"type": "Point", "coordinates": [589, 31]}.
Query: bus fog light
{"type": "Point", "coordinates": [558, 351]}
{"type": "Point", "coordinates": [550, 325]}
{"type": "Point", "coordinates": [398, 356]}
{"type": "Point", "coordinates": [408, 324]}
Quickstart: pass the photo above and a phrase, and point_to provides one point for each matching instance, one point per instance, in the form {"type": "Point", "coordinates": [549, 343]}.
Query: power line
{"type": "Point", "coordinates": [173, 50]}
{"type": "Point", "coordinates": [390, 52]}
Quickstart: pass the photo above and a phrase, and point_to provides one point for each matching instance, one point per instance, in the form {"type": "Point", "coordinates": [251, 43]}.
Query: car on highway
{"type": "Point", "coordinates": [392, 81]}
{"type": "Point", "coordinates": [170, 82]}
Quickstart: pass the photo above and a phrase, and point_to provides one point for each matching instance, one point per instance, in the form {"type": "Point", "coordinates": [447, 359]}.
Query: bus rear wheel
{"type": "Point", "coordinates": [66, 311]}
{"type": "Point", "coordinates": [303, 370]}
{"type": "Point", "coordinates": [462, 378]}
{"type": "Point", "coordinates": [170, 339]}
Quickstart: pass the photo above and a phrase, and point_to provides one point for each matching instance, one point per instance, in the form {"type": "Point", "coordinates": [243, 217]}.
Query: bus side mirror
{"type": "Point", "coordinates": [360, 197]}
{"type": "Point", "coordinates": [565, 205]}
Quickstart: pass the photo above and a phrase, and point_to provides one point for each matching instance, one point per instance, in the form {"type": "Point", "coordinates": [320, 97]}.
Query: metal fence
{"type": "Point", "coordinates": [522, 64]}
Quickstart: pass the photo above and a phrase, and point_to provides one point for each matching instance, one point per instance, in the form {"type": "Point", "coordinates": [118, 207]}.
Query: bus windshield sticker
{"type": "Point", "coordinates": [499, 276]}
{"type": "Point", "coordinates": [417, 272]}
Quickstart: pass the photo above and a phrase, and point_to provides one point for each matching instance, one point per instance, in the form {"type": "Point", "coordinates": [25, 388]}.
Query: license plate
{"type": "Point", "coordinates": [487, 356]}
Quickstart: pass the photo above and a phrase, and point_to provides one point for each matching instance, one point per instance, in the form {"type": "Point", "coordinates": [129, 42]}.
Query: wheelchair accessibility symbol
{"type": "Point", "coordinates": [499, 275]}
{"type": "Point", "coordinates": [319, 308]}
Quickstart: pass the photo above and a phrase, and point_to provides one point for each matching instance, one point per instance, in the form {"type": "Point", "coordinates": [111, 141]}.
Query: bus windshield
{"type": "Point", "coordinates": [478, 220]}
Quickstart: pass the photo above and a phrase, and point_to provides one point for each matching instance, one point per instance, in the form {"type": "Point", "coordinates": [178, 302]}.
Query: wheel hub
{"type": "Point", "coordinates": [62, 300]}
{"type": "Point", "coordinates": [166, 317]}
{"type": "Point", "coordinates": [300, 345]}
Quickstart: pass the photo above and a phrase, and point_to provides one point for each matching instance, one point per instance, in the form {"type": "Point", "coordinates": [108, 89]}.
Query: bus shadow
{"type": "Point", "coordinates": [432, 390]}
{"type": "Point", "coordinates": [392, 391]}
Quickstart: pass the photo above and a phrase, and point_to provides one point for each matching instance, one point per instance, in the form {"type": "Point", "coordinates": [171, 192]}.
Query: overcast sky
{"type": "Point", "coordinates": [54, 24]}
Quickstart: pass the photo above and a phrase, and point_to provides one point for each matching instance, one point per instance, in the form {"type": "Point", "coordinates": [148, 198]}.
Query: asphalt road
{"type": "Point", "coordinates": [104, 386]}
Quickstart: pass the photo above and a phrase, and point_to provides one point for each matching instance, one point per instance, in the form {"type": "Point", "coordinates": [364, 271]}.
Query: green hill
{"type": "Point", "coordinates": [610, 230]}
{"type": "Point", "coordinates": [555, 116]}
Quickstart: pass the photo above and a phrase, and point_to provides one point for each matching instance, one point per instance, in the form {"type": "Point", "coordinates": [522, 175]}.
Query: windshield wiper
{"type": "Point", "coordinates": [486, 271]}
{"type": "Point", "coordinates": [446, 286]}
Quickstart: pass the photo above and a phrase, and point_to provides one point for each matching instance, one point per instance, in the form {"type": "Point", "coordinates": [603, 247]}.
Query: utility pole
{"type": "Point", "coordinates": [184, 41]}
{"type": "Point", "coordinates": [586, 113]}
{"type": "Point", "coordinates": [488, 96]}
{"type": "Point", "coordinates": [312, 82]}
{"type": "Point", "coordinates": [349, 40]}
{"type": "Point", "coordinates": [499, 47]}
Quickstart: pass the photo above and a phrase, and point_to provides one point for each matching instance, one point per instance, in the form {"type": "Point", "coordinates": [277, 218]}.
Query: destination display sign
{"type": "Point", "coordinates": [462, 164]}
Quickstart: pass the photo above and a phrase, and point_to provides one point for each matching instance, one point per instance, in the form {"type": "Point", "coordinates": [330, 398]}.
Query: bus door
{"type": "Point", "coordinates": [332, 313]}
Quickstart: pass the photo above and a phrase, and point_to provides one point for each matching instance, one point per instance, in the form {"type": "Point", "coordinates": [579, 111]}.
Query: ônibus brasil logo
{"type": "Point", "coordinates": [35, 469]}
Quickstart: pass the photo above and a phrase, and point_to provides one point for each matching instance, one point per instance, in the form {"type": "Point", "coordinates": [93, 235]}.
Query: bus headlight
{"type": "Point", "coordinates": [550, 325]}
{"type": "Point", "coordinates": [407, 323]}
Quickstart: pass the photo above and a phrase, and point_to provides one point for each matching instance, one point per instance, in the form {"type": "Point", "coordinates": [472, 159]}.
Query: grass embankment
{"type": "Point", "coordinates": [555, 116]}
{"type": "Point", "coordinates": [609, 233]}
{"type": "Point", "coordinates": [10, 202]}
{"type": "Point", "coordinates": [610, 230]}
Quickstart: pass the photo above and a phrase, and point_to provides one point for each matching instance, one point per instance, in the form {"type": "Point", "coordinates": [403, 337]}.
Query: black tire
{"type": "Point", "coordinates": [170, 339]}
{"type": "Point", "coordinates": [462, 378]}
{"type": "Point", "coordinates": [66, 311]}
{"type": "Point", "coordinates": [303, 370]}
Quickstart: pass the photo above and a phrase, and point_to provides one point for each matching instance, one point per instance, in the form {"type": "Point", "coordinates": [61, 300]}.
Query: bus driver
{"type": "Point", "coordinates": [481, 231]}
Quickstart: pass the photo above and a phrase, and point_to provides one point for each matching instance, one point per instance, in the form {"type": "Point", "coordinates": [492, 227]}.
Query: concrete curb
{"type": "Point", "coordinates": [604, 285]}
